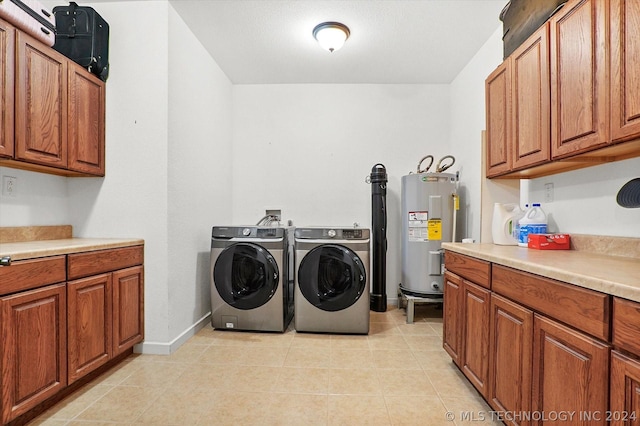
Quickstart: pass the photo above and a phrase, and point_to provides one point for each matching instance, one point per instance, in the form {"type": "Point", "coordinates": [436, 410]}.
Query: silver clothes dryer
{"type": "Point", "coordinates": [332, 280]}
{"type": "Point", "coordinates": [251, 278]}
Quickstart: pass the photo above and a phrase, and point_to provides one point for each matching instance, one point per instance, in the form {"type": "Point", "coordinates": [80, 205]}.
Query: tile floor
{"type": "Point", "coordinates": [397, 375]}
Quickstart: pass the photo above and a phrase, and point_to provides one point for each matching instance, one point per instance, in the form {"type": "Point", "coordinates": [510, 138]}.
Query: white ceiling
{"type": "Point", "coordinates": [392, 41]}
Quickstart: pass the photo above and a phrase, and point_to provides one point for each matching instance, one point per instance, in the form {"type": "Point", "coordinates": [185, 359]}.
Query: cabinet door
{"type": "Point", "coordinates": [579, 78]}
{"type": "Point", "coordinates": [89, 311]}
{"type": "Point", "coordinates": [34, 348]}
{"type": "Point", "coordinates": [452, 316]}
{"type": "Point", "coordinates": [531, 101]}
{"type": "Point", "coordinates": [498, 110]}
{"type": "Point", "coordinates": [625, 390]}
{"type": "Point", "coordinates": [41, 103]}
{"type": "Point", "coordinates": [625, 73]}
{"type": "Point", "coordinates": [86, 122]}
{"type": "Point", "coordinates": [510, 352]}
{"type": "Point", "coordinates": [128, 308]}
{"type": "Point", "coordinates": [7, 61]}
{"type": "Point", "coordinates": [570, 370]}
{"type": "Point", "coordinates": [475, 346]}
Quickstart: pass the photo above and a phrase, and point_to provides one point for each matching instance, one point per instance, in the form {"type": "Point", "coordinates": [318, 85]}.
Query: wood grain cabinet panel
{"type": "Point", "coordinates": [476, 270]}
{"type": "Point", "coordinates": [625, 390]}
{"type": "Point", "coordinates": [86, 122]}
{"type": "Point", "coordinates": [89, 308]}
{"type": "Point", "coordinates": [452, 317]}
{"type": "Point", "coordinates": [32, 273]}
{"type": "Point", "coordinates": [510, 354]}
{"type": "Point", "coordinates": [584, 309]}
{"type": "Point", "coordinates": [579, 77]}
{"type": "Point", "coordinates": [531, 119]}
{"type": "Point", "coordinates": [475, 358]}
{"type": "Point", "coordinates": [100, 261]}
{"type": "Point", "coordinates": [570, 370]}
{"type": "Point", "coordinates": [128, 308]}
{"type": "Point", "coordinates": [625, 72]}
{"type": "Point", "coordinates": [7, 68]}
{"type": "Point", "coordinates": [34, 348]}
{"type": "Point", "coordinates": [626, 325]}
{"type": "Point", "coordinates": [498, 116]}
{"type": "Point", "coordinates": [41, 103]}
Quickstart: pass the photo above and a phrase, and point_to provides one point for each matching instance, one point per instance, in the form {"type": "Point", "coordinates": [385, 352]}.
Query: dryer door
{"type": "Point", "coordinates": [246, 275]}
{"type": "Point", "coordinates": [331, 277]}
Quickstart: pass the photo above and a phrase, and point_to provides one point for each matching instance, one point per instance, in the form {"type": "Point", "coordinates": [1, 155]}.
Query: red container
{"type": "Point", "coordinates": [549, 241]}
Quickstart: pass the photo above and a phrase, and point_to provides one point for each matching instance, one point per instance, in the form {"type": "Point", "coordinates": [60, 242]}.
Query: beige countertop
{"type": "Point", "coordinates": [615, 275]}
{"type": "Point", "coordinates": [33, 249]}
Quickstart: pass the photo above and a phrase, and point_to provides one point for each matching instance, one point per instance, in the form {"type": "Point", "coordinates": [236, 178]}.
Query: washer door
{"type": "Point", "coordinates": [246, 276]}
{"type": "Point", "coordinates": [331, 277]}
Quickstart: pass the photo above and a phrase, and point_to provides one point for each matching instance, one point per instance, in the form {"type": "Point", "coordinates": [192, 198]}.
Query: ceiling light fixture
{"type": "Point", "coordinates": [331, 35]}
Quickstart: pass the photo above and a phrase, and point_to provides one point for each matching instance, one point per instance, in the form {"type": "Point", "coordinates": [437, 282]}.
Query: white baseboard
{"type": "Point", "coordinates": [167, 348]}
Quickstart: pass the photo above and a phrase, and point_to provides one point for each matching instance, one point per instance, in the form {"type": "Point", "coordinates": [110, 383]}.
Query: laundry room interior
{"type": "Point", "coordinates": [199, 133]}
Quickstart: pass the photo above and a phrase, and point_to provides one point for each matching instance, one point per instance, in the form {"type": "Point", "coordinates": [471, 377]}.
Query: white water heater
{"type": "Point", "coordinates": [428, 214]}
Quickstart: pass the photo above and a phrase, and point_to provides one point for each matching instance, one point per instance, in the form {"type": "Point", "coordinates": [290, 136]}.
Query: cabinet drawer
{"type": "Point", "coordinates": [584, 309]}
{"type": "Point", "coordinates": [626, 325]}
{"type": "Point", "coordinates": [476, 270]}
{"type": "Point", "coordinates": [100, 261]}
{"type": "Point", "coordinates": [27, 274]}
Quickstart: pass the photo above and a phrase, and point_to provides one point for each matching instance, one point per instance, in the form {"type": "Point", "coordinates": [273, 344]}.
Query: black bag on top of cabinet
{"type": "Point", "coordinates": [521, 18]}
{"type": "Point", "coordinates": [83, 36]}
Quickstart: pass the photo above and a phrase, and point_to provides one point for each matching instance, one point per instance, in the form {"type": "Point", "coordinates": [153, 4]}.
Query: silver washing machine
{"type": "Point", "coordinates": [252, 278]}
{"type": "Point", "coordinates": [332, 280]}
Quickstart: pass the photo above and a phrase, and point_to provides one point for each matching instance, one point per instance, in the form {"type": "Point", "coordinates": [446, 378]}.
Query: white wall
{"type": "Point", "coordinates": [468, 122]}
{"type": "Point", "coordinates": [168, 138]}
{"type": "Point", "coordinates": [199, 171]}
{"type": "Point", "coordinates": [39, 199]}
{"type": "Point", "coordinates": [584, 200]}
{"type": "Point", "coordinates": [307, 149]}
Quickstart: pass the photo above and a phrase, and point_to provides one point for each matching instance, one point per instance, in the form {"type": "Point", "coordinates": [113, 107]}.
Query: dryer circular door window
{"type": "Point", "coordinates": [246, 275]}
{"type": "Point", "coordinates": [331, 277]}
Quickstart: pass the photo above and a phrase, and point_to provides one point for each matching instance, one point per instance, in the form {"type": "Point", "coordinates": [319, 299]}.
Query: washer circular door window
{"type": "Point", "coordinates": [246, 275]}
{"type": "Point", "coordinates": [331, 277]}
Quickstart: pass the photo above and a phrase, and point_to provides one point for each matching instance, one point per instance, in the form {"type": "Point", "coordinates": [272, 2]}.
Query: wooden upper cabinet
{"type": "Point", "coordinates": [579, 51]}
{"type": "Point", "coordinates": [33, 348]}
{"type": "Point", "coordinates": [625, 72]}
{"type": "Point", "coordinates": [531, 128]}
{"type": "Point", "coordinates": [41, 103]}
{"type": "Point", "coordinates": [86, 119]}
{"type": "Point", "coordinates": [7, 45]}
{"type": "Point", "coordinates": [498, 113]}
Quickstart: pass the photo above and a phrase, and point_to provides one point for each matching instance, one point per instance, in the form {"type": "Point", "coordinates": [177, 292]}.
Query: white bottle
{"type": "Point", "coordinates": [534, 221]}
{"type": "Point", "coordinates": [516, 228]}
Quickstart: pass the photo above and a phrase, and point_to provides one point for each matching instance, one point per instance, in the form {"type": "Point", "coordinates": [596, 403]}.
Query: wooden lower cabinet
{"type": "Point", "coordinates": [625, 390]}
{"type": "Point", "coordinates": [33, 326]}
{"type": "Point", "coordinates": [106, 318]}
{"type": "Point", "coordinates": [452, 317]}
{"type": "Point", "coordinates": [89, 307]}
{"type": "Point", "coordinates": [466, 328]}
{"type": "Point", "coordinates": [128, 308]}
{"type": "Point", "coordinates": [570, 371]}
{"type": "Point", "coordinates": [475, 346]}
{"type": "Point", "coordinates": [510, 353]}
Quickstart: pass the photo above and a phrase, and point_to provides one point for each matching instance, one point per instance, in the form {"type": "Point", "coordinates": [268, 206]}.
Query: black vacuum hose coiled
{"type": "Point", "coordinates": [378, 180]}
